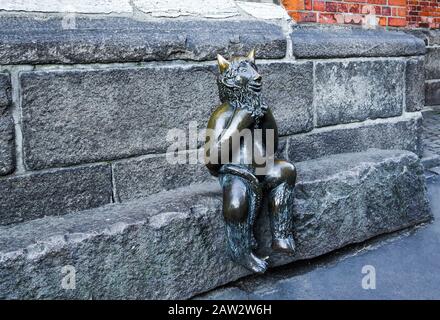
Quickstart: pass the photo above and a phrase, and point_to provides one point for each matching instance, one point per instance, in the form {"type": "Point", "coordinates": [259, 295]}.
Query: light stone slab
{"type": "Point", "coordinates": [171, 8]}
{"type": "Point", "coordinates": [77, 6]}
{"type": "Point", "coordinates": [266, 11]}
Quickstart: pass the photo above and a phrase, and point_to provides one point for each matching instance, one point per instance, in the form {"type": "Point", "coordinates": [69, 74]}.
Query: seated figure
{"type": "Point", "coordinates": [241, 133]}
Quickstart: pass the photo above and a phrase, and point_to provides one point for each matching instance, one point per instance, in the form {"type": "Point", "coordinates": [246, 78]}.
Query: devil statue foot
{"type": "Point", "coordinates": [252, 262]}
{"type": "Point", "coordinates": [286, 245]}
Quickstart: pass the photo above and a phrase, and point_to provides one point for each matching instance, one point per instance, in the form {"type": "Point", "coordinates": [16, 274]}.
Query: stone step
{"type": "Point", "coordinates": [172, 244]}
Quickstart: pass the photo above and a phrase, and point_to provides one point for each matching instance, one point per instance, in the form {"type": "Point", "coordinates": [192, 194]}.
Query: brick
{"type": "Point", "coordinates": [397, 22]}
{"type": "Point", "coordinates": [342, 7]}
{"type": "Point", "coordinates": [378, 10]}
{"type": "Point", "coordinates": [319, 5]}
{"type": "Point", "coordinates": [377, 1]}
{"type": "Point", "coordinates": [293, 4]}
{"type": "Point", "coordinates": [331, 7]}
{"type": "Point", "coordinates": [7, 132]}
{"type": "Point", "coordinates": [57, 192]}
{"type": "Point", "coordinates": [358, 90]}
{"type": "Point", "coordinates": [386, 11]}
{"type": "Point", "coordinates": [398, 12]}
{"type": "Point", "coordinates": [327, 18]}
{"type": "Point", "coordinates": [397, 3]}
{"type": "Point", "coordinates": [307, 17]}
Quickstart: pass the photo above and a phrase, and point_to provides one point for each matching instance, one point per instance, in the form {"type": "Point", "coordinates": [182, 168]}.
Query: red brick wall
{"type": "Point", "coordinates": [424, 13]}
{"type": "Point", "coordinates": [392, 13]}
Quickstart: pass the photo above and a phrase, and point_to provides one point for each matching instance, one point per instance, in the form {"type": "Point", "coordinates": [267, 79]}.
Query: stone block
{"type": "Point", "coordinates": [140, 177]}
{"type": "Point", "coordinates": [358, 90]}
{"type": "Point", "coordinates": [288, 91]}
{"type": "Point", "coordinates": [432, 92]}
{"type": "Point", "coordinates": [395, 133]}
{"type": "Point", "coordinates": [415, 84]}
{"type": "Point", "coordinates": [432, 63]}
{"type": "Point", "coordinates": [343, 42]}
{"type": "Point", "coordinates": [79, 6]}
{"type": "Point", "coordinates": [7, 133]}
{"type": "Point", "coordinates": [173, 246]}
{"type": "Point", "coordinates": [38, 194]}
{"type": "Point", "coordinates": [94, 115]}
{"type": "Point", "coordinates": [27, 40]}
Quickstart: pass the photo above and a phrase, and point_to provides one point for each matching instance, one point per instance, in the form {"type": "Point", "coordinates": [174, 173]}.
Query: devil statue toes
{"type": "Point", "coordinates": [241, 142]}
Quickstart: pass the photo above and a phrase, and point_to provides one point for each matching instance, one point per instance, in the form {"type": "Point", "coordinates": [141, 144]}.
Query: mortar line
{"type": "Point", "coordinates": [17, 116]}
{"type": "Point", "coordinates": [315, 113]}
{"type": "Point", "coordinates": [405, 70]}
{"type": "Point", "coordinates": [168, 64]}
{"type": "Point", "coordinates": [114, 197]}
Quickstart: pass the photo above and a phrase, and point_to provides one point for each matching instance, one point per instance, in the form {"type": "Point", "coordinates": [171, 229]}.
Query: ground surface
{"type": "Point", "coordinates": [406, 266]}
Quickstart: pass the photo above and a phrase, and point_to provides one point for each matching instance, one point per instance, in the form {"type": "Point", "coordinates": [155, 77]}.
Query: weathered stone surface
{"type": "Point", "coordinates": [341, 42]}
{"type": "Point", "coordinates": [113, 39]}
{"type": "Point", "coordinates": [143, 176]}
{"type": "Point", "coordinates": [396, 133]}
{"type": "Point", "coordinates": [430, 37]}
{"type": "Point", "coordinates": [7, 144]}
{"type": "Point", "coordinates": [288, 91]}
{"type": "Point", "coordinates": [5, 92]}
{"type": "Point", "coordinates": [171, 8]}
{"type": "Point", "coordinates": [89, 116]}
{"type": "Point", "coordinates": [432, 63]}
{"type": "Point", "coordinates": [263, 10]}
{"type": "Point", "coordinates": [172, 245]}
{"type": "Point", "coordinates": [80, 6]}
{"type": "Point", "coordinates": [415, 84]}
{"type": "Point", "coordinates": [57, 192]}
{"type": "Point", "coordinates": [432, 92]}
{"type": "Point", "coordinates": [358, 90]}
{"type": "Point", "coordinates": [433, 37]}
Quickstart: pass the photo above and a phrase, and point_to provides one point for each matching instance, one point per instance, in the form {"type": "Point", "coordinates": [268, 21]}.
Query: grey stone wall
{"type": "Point", "coordinates": [93, 107]}
{"type": "Point", "coordinates": [432, 69]}
{"type": "Point", "coordinates": [432, 64]}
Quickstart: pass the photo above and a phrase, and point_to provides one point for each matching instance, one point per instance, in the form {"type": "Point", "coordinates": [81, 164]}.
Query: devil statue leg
{"type": "Point", "coordinates": [280, 183]}
{"type": "Point", "coordinates": [241, 203]}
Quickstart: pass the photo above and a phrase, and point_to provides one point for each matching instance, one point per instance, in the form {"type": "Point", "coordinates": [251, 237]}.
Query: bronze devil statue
{"type": "Point", "coordinates": [241, 142]}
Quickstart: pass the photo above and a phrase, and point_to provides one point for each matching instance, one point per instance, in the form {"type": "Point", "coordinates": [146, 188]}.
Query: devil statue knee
{"type": "Point", "coordinates": [241, 142]}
